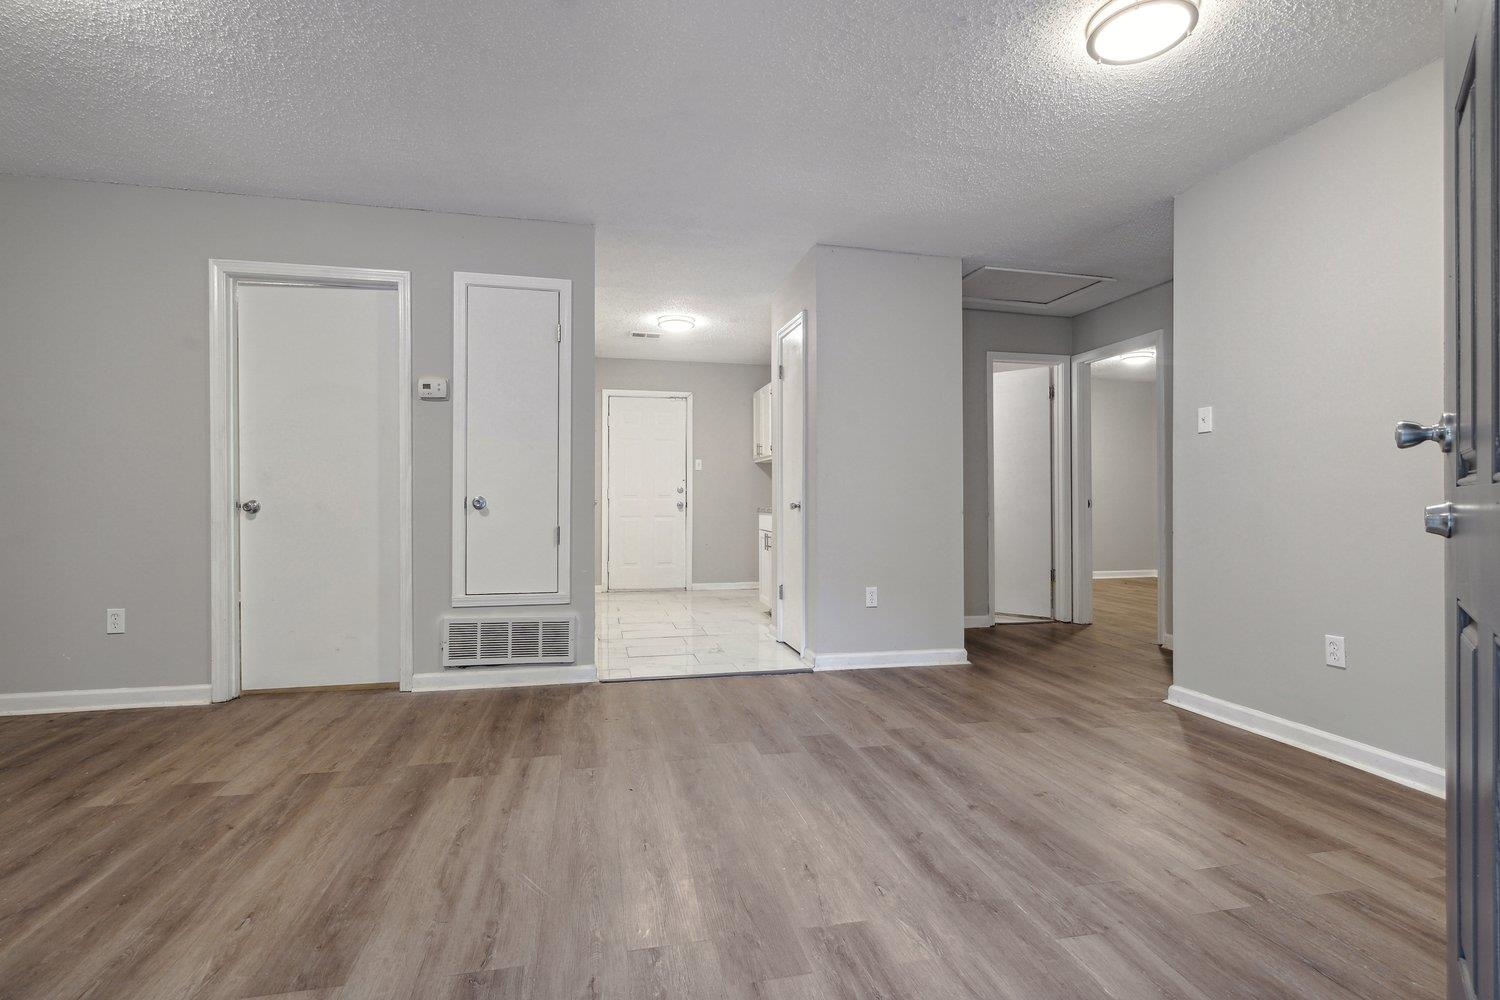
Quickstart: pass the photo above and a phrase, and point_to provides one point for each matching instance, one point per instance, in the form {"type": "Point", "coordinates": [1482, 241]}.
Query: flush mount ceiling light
{"type": "Point", "coordinates": [1138, 358]}
{"type": "Point", "coordinates": [676, 323]}
{"type": "Point", "coordinates": [1131, 31]}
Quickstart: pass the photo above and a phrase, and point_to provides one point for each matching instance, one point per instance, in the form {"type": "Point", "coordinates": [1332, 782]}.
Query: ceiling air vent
{"type": "Point", "coordinates": [1014, 287]}
{"type": "Point", "coordinates": [485, 642]}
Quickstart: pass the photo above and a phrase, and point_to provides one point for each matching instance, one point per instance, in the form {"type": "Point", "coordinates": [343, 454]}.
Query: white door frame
{"type": "Point", "coordinates": [1083, 477]}
{"type": "Point", "coordinates": [223, 407]}
{"type": "Point", "coordinates": [687, 474]}
{"type": "Point", "coordinates": [777, 470]}
{"type": "Point", "coordinates": [1062, 479]}
{"type": "Point", "coordinates": [462, 281]}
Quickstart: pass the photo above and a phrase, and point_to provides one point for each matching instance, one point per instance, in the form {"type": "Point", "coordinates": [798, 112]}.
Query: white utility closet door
{"type": "Point", "coordinates": [1022, 469]}
{"type": "Point", "coordinates": [789, 400]}
{"type": "Point", "coordinates": [648, 492]}
{"type": "Point", "coordinates": [320, 595]}
{"type": "Point", "coordinates": [512, 398]}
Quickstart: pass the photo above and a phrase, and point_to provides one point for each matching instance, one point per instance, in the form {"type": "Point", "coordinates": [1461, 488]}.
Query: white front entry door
{"type": "Point", "coordinates": [648, 492]}
{"type": "Point", "coordinates": [318, 439]}
{"type": "Point", "coordinates": [1022, 470]}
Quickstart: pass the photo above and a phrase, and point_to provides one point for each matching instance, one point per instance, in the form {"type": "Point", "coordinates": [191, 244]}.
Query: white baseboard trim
{"type": "Point", "coordinates": [1416, 774]}
{"type": "Point", "coordinates": [104, 699]}
{"type": "Point", "coordinates": [752, 585]}
{"type": "Point", "coordinates": [891, 658]}
{"type": "Point", "coordinates": [978, 621]}
{"type": "Point", "coordinates": [1166, 641]}
{"type": "Point", "coordinates": [1003, 619]}
{"type": "Point", "coordinates": [475, 678]}
{"type": "Point", "coordinates": [1124, 574]}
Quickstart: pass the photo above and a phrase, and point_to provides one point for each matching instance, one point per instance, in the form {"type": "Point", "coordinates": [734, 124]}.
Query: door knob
{"type": "Point", "coordinates": [250, 506]}
{"type": "Point", "coordinates": [480, 503]}
{"type": "Point", "coordinates": [1409, 434]}
{"type": "Point", "coordinates": [1440, 519]}
{"type": "Point", "coordinates": [682, 505]}
{"type": "Point", "coordinates": [794, 505]}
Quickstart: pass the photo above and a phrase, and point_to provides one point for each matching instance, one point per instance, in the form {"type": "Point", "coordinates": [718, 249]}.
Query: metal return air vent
{"type": "Point", "coordinates": [478, 642]}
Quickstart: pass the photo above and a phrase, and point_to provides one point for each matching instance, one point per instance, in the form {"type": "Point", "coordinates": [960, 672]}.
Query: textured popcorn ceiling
{"type": "Point", "coordinates": [711, 142]}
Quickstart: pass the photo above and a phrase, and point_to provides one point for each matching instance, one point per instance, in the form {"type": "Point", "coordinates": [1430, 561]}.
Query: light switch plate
{"type": "Point", "coordinates": [432, 387]}
{"type": "Point", "coordinates": [697, 465]}
{"type": "Point", "coordinates": [1205, 419]}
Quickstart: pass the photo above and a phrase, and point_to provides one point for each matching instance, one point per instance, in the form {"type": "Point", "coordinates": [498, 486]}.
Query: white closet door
{"type": "Point", "coordinates": [1022, 518]}
{"type": "Point", "coordinates": [647, 493]}
{"type": "Point", "coordinates": [513, 441]}
{"type": "Point", "coordinates": [318, 454]}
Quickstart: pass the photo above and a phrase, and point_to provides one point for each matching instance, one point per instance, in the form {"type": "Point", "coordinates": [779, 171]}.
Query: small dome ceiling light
{"type": "Point", "coordinates": [1131, 31]}
{"type": "Point", "coordinates": [676, 323]}
{"type": "Point", "coordinates": [1138, 358]}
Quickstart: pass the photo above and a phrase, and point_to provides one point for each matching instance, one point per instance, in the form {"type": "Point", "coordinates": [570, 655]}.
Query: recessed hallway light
{"type": "Point", "coordinates": [1136, 358]}
{"type": "Point", "coordinates": [676, 323]}
{"type": "Point", "coordinates": [1131, 31]}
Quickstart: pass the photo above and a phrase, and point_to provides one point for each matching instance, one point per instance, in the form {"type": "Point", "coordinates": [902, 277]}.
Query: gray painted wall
{"type": "Point", "coordinates": [1309, 304]}
{"type": "Point", "coordinates": [886, 462]}
{"type": "Point", "coordinates": [985, 331]}
{"type": "Point", "coordinates": [104, 422]}
{"type": "Point", "coordinates": [731, 486]}
{"type": "Point", "coordinates": [1124, 452]}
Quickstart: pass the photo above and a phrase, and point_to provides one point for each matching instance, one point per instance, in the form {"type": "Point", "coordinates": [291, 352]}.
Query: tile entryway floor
{"type": "Point", "coordinates": [686, 633]}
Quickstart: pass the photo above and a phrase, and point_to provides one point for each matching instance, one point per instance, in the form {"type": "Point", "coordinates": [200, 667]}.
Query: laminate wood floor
{"type": "Point", "coordinates": [1037, 826]}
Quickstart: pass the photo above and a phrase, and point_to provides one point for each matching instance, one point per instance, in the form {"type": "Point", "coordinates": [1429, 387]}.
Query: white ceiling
{"type": "Point", "coordinates": [710, 144]}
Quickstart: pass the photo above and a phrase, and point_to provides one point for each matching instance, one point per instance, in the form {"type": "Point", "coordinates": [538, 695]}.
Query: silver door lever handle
{"type": "Point", "coordinates": [1409, 433]}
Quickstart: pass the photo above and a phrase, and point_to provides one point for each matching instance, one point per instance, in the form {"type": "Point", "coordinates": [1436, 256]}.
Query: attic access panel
{"type": "Point", "coordinates": [1014, 286]}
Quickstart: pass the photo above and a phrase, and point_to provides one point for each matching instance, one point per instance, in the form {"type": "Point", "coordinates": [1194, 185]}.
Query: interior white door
{"type": "Point", "coordinates": [789, 402]}
{"type": "Point", "coordinates": [1022, 469]}
{"type": "Point", "coordinates": [512, 399]}
{"type": "Point", "coordinates": [648, 498]}
{"type": "Point", "coordinates": [318, 452]}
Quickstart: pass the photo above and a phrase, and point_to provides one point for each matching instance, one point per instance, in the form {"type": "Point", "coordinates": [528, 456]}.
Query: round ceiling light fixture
{"type": "Point", "coordinates": [1131, 31]}
{"type": "Point", "coordinates": [676, 323]}
{"type": "Point", "coordinates": [1137, 358]}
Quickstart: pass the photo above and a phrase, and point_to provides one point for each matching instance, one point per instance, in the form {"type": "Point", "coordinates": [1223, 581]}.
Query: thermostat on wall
{"type": "Point", "coordinates": [432, 387]}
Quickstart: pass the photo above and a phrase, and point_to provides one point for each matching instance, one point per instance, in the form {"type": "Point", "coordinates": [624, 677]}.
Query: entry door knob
{"type": "Point", "coordinates": [1440, 519]}
{"type": "Point", "coordinates": [250, 506]}
{"type": "Point", "coordinates": [1409, 434]}
{"type": "Point", "coordinates": [480, 503]}
{"type": "Point", "coordinates": [794, 505]}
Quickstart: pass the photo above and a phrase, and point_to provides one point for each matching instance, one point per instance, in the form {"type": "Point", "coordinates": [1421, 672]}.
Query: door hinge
{"type": "Point", "coordinates": [559, 333]}
{"type": "Point", "coordinates": [1052, 575]}
{"type": "Point", "coordinates": [781, 591]}
{"type": "Point", "coordinates": [781, 371]}
{"type": "Point", "coordinates": [1051, 392]}
{"type": "Point", "coordinates": [557, 535]}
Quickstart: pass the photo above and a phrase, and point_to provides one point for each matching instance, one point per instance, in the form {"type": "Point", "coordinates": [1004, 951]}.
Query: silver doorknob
{"type": "Point", "coordinates": [1440, 519]}
{"type": "Point", "coordinates": [480, 503]}
{"type": "Point", "coordinates": [794, 505]}
{"type": "Point", "coordinates": [250, 506]}
{"type": "Point", "coordinates": [1409, 433]}
{"type": "Point", "coordinates": [681, 505]}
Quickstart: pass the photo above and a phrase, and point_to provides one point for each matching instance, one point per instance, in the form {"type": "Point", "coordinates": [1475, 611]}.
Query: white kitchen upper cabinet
{"type": "Point", "coordinates": [512, 439]}
{"type": "Point", "coordinates": [761, 449]}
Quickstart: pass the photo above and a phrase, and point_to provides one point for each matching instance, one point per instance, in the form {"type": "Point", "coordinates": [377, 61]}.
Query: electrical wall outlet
{"type": "Point", "coordinates": [1205, 419]}
{"type": "Point", "coordinates": [872, 597]}
{"type": "Point", "coordinates": [1334, 647]}
{"type": "Point", "coordinates": [114, 621]}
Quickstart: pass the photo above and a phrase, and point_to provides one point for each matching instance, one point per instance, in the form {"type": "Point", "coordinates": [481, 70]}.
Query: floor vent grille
{"type": "Point", "coordinates": [476, 642]}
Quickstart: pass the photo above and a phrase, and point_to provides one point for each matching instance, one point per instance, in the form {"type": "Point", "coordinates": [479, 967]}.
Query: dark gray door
{"type": "Point", "coordinates": [1470, 516]}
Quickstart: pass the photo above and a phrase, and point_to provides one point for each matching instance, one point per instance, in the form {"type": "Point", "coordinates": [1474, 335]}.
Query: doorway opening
{"type": "Point", "coordinates": [1029, 487]}
{"type": "Point", "coordinates": [1122, 564]}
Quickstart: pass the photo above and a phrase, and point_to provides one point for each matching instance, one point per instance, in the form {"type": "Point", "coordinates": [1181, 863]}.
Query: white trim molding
{"type": "Point", "coordinates": [223, 458]}
{"type": "Point", "coordinates": [1406, 771]}
{"type": "Point", "coordinates": [751, 585]}
{"type": "Point", "coordinates": [1166, 641]}
{"type": "Point", "coordinates": [978, 621]}
{"type": "Point", "coordinates": [1124, 574]}
{"type": "Point", "coordinates": [891, 658]}
{"type": "Point", "coordinates": [476, 678]}
{"type": "Point", "coordinates": [104, 699]}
